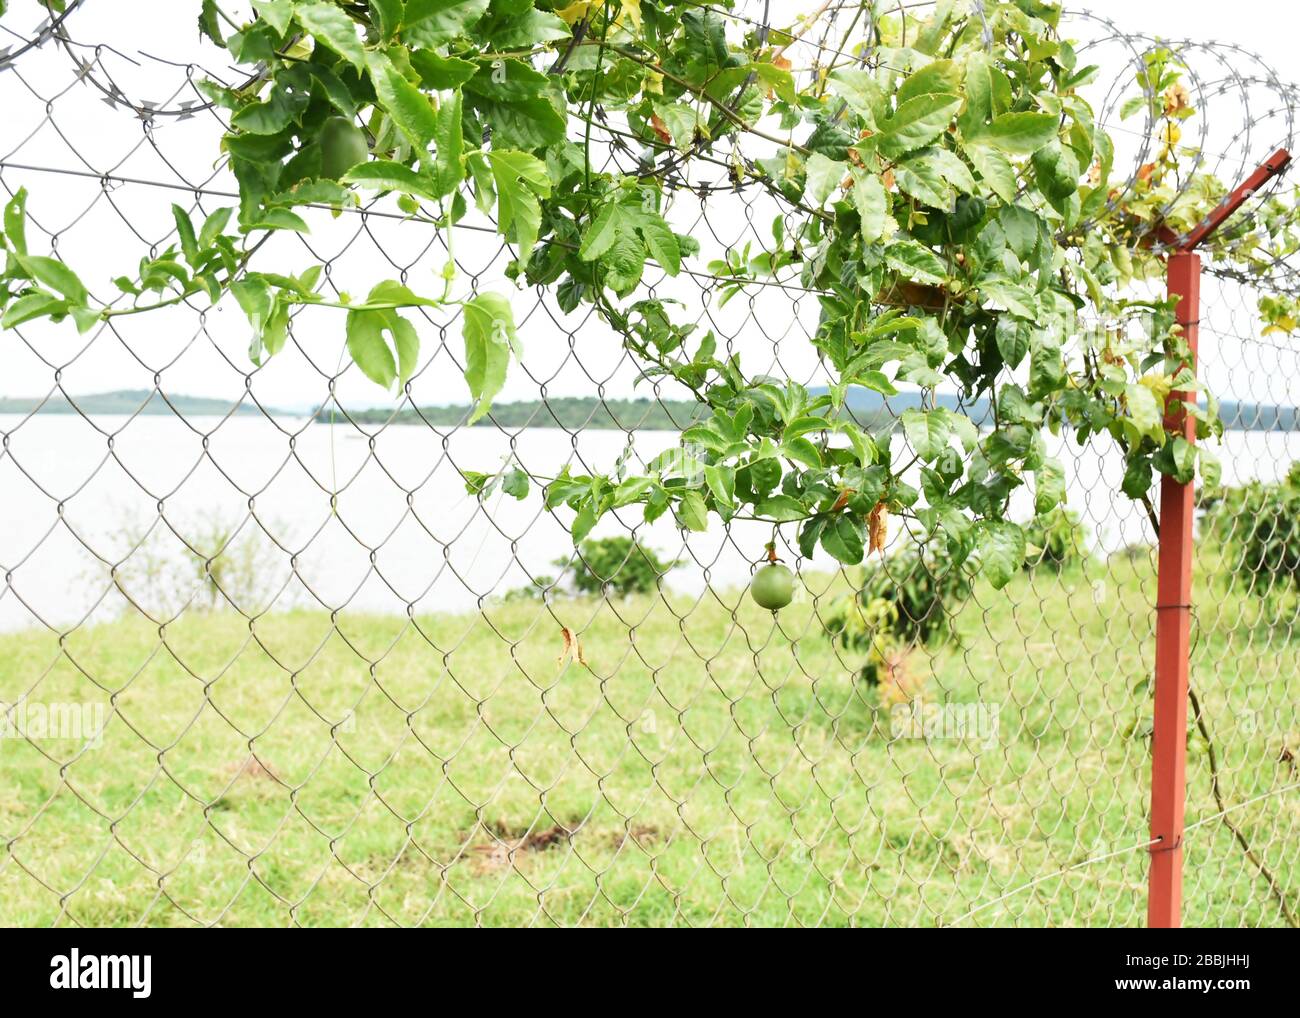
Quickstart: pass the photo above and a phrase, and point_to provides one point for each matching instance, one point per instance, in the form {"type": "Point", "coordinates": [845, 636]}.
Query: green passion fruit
{"type": "Point", "coordinates": [772, 587]}
{"type": "Point", "coordinates": [342, 146]}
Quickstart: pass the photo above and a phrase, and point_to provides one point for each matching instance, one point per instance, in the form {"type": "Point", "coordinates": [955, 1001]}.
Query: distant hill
{"type": "Point", "coordinates": [870, 409]}
{"type": "Point", "coordinates": [1236, 416]}
{"type": "Point", "coordinates": [571, 412]}
{"type": "Point", "coordinates": [129, 401]}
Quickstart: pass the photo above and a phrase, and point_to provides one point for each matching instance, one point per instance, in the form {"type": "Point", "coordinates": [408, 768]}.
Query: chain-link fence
{"type": "Point", "coordinates": [265, 661]}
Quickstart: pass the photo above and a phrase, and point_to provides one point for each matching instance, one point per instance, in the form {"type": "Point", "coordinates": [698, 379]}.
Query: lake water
{"type": "Point", "coordinates": [321, 515]}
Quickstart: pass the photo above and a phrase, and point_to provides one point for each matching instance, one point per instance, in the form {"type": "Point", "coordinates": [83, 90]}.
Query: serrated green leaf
{"type": "Point", "coordinates": [440, 73]}
{"type": "Point", "coordinates": [995, 170]}
{"type": "Point", "coordinates": [519, 179]}
{"type": "Point", "coordinates": [430, 23]}
{"type": "Point", "coordinates": [917, 122]}
{"type": "Point", "coordinates": [329, 25]}
{"type": "Point", "coordinates": [916, 262]}
{"type": "Point", "coordinates": [448, 168]}
{"type": "Point", "coordinates": [872, 204]}
{"type": "Point", "coordinates": [406, 104]}
{"type": "Point", "coordinates": [823, 176]}
{"type": "Point", "coordinates": [1020, 134]}
{"type": "Point", "coordinates": [660, 241]}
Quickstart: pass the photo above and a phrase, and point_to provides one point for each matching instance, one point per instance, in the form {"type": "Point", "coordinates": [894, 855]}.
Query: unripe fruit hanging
{"type": "Point", "coordinates": [342, 146]}
{"type": "Point", "coordinates": [772, 587]}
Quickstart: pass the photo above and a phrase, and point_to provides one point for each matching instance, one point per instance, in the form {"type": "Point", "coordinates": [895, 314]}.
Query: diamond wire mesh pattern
{"type": "Point", "coordinates": [325, 686]}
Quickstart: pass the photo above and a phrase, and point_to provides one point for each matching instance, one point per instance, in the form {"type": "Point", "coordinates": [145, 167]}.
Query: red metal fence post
{"type": "Point", "coordinates": [1174, 583]}
{"type": "Point", "coordinates": [1173, 629]}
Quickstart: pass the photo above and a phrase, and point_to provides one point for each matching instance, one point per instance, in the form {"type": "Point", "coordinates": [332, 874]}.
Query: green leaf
{"type": "Point", "coordinates": [610, 221]}
{"type": "Point", "coordinates": [1049, 486]}
{"type": "Point", "coordinates": [660, 241]}
{"type": "Point", "coordinates": [329, 25]}
{"type": "Point", "coordinates": [722, 482]}
{"type": "Point", "coordinates": [520, 178]}
{"type": "Point", "coordinates": [489, 331]}
{"type": "Point", "coordinates": [512, 100]}
{"type": "Point", "coordinates": [185, 231]}
{"type": "Point", "coordinates": [210, 22]}
{"type": "Point", "coordinates": [529, 29]}
{"type": "Point", "coordinates": [406, 104]}
{"type": "Point", "coordinates": [916, 262]}
{"type": "Point", "coordinates": [384, 175]}
{"type": "Point", "coordinates": [387, 16]}
{"type": "Point", "coordinates": [279, 219]}
{"type": "Point", "coordinates": [917, 122]}
{"type": "Point", "coordinates": [390, 291]}
{"type": "Point", "coordinates": [276, 330]}
{"type": "Point", "coordinates": [920, 177]}
{"type": "Point", "coordinates": [254, 296]}
{"type": "Point", "coordinates": [1001, 548]}
{"type": "Point", "coordinates": [16, 221]}
{"type": "Point", "coordinates": [430, 23]}
{"type": "Point", "coordinates": [927, 432]}
{"type": "Point", "coordinates": [515, 484]}
{"type": "Point", "coordinates": [1056, 170]}
{"type": "Point", "coordinates": [872, 204]}
{"type": "Point", "coordinates": [1137, 477]}
{"type": "Point", "coordinates": [1012, 337]}
{"type": "Point", "coordinates": [781, 509]}
{"type": "Point", "coordinates": [440, 73]}
{"type": "Point", "coordinates": [844, 539]}
{"type": "Point", "coordinates": [448, 168]}
{"type": "Point", "coordinates": [213, 226]}
{"type": "Point", "coordinates": [1020, 134]}
{"type": "Point", "coordinates": [367, 347]}
{"type": "Point", "coordinates": [34, 305]}
{"type": "Point", "coordinates": [276, 13]}
{"type": "Point", "coordinates": [370, 350]}
{"type": "Point", "coordinates": [823, 177]}
{"type": "Point", "coordinates": [996, 171]}
{"type": "Point", "coordinates": [939, 77]}
{"type": "Point", "coordinates": [861, 91]}
{"type": "Point", "coordinates": [57, 276]}
{"type": "Point", "coordinates": [1144, 409]}
{"type": "Point", "coordinates": [692, 513]}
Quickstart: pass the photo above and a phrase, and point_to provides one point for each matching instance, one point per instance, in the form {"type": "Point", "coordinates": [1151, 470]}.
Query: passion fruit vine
{"type": "Point", "coordinates": [772, 586]}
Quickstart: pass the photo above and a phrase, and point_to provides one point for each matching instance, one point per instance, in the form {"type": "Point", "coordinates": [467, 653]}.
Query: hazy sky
{"type": "Point", "coordinates": [102, 233]}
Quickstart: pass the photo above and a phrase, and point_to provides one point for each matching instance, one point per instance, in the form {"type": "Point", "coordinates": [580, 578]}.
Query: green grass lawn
{"type": "Point", "coordinates": [708, 766]}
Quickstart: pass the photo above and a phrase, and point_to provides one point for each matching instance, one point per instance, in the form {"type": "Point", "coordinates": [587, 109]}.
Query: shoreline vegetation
{"type": "Point", "coordinates": [569, 412]}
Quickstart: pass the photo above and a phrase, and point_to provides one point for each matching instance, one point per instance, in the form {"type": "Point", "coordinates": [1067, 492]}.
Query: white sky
{"type": "Point", "coordinates": [84, 133]}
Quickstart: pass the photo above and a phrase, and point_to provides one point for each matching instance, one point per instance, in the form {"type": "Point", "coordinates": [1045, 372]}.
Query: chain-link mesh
{"type": "Point", "coordinates": [264, 661]}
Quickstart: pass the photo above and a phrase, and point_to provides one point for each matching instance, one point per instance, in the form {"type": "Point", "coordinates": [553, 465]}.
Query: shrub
{"type": "Point", "coordinates": [906, 600]}
{"type": "Point", "coordinates": [619, 565]}
{"type": "Point", "coordinates": [1259, 525]}
{"type": "Point", "coordinates": [1055, 539]}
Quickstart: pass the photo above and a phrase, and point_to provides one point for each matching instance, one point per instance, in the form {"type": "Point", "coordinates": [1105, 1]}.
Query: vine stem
{"type": "Point", "coordinates": [1274, 888]}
